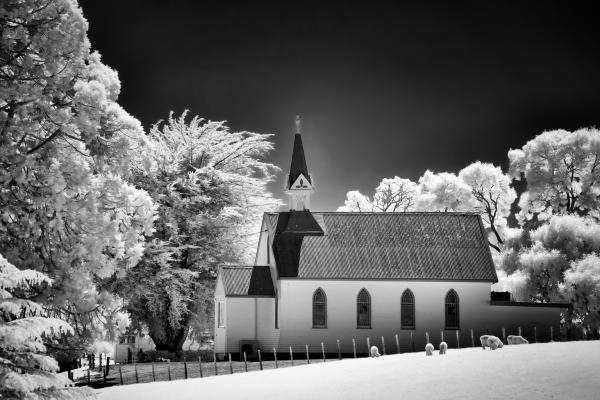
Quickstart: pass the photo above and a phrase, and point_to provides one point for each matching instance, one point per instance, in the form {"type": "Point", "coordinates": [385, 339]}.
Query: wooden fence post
{"type": "Point", "coordinates": [339, 350]}
{"type": "Point", "coordinates": [88, 374]}
{"type": "Point", "coordinates": [291, 356]}
{"type": "Point", "coordinates": [230, 365]}
{"type": "Point", "coordinates": [427, 337]}
{"type": "Point", "coordinates": [215, 361]}
{"type": "Point", "coordinates": [323, 351]}
{"type": "Point", "coordinates": [260, 360]}
{"type": "Point", "coordinates": [246, 363]}
{"type": "Point", "coordinates": [120, 375]}
{"type": "Point", "coordinates": [169, 370]}
{"type": "Point", "coordinates": [535, 334]}
{"type": "Point", "coordinates": [503, 335]}
{"type": "Point", "coordinates": [520, 331]}
{"type": "Point", "coordinates": [442, 335]}
{"type": "Point", "coordinates": [354, 347]}
{"type": "Point", "coordinates": [383, 345]}
{"type": "Point", "coordinates": [200, 366]}
{"type": "Point", "coordinates": [368, 346]}
{"type": "Point", "coordinates": [185, 376]}
{"type": "Point", "coordinates": [153, 374]}
{"type": "Point", "coordinates": [397, 344]}
{"type": "Point", "coordinates": [551, 335]}
{"type": "Point", "coordinates": [107, 365]}
{"type": "Point", "coordinates": [307, 357]}
{"type": "Point", "coordinates": [412, 342]}
{"type": "Point", "coordinates": [275, 356]}
{"type": "Point", "coordinates": [472, 338]}
{"type": "Point", "coordinates": [458, 339]}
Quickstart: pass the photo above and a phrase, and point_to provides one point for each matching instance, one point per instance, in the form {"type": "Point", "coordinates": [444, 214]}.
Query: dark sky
{"type": "Point", "coordinates": [383, 89]}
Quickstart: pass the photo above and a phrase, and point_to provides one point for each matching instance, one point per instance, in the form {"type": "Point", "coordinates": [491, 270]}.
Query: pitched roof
{"type": "Point", "coordinates": [298, 165]}
{"type": "Point", "coordinates": [426, 246]}
{"type": "Point", "coordinates": [247, 281]}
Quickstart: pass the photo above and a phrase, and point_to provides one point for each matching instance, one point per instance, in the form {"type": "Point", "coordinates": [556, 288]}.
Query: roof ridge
{"type": "Point", "coordinates": [386, 213]}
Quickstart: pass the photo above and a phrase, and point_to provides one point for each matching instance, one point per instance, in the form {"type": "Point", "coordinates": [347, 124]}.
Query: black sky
{"type": "Point", "coordinates": [384, 89]}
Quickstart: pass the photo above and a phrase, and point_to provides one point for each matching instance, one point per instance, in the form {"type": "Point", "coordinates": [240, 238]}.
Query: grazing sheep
{"type": "Point", "coordinates": [375, 351]}
{"type": "Point", "coordinates": [483, 340]}
{"type": "Point", "coordinates": [443, 348]}
{"type": "Point", "coordinates": [491, 341]}
{"type": "Point", "coordinates": [516, 339]}
{"type": "Point", "coordinates": [428, 349]}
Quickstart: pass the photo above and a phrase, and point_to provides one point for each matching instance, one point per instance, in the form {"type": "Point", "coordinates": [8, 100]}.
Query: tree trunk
{"type": "Point", "coordinates": [172, 340]}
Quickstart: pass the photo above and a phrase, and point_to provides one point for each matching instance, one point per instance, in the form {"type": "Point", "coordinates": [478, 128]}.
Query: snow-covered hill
{"type": "Point", "coordinates": [536, 371]}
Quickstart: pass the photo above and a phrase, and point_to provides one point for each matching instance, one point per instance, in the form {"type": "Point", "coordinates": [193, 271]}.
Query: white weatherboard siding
{"type": "Point", "coordinates": [240, 322]}
{"type": "Point", "coordinates": [475, 312]}
{"type": "Point", "coordinates": [220, 332]}
{"type": "Point", "coordinates": [268, 336]}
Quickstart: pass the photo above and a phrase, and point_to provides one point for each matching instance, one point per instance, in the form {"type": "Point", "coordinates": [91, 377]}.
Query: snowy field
{"type": "Point", "coordinates": [536, 371]}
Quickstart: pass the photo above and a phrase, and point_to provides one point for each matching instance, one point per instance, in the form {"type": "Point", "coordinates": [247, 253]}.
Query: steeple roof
{"type": "Point", "coordinates": [298, 165]}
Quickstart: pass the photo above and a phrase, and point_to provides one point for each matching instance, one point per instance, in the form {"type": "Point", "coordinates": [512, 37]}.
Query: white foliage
{"type": "Point", "coordinates": [562, 173]}
{"type": "Point", "coordinates": [443, 192]}
{"type": "Point", "coordinates": [391, 195]}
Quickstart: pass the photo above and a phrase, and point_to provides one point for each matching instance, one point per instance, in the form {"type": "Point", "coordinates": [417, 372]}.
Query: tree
{"type": "Point", "coordinates": [493, 195]}
{"type": "Point", "coordinates": [443, 192]}
{"type": "Point", "coordinates": [210, 187]}
{"type": "Point", "coordinates": [582, 288]}
{"type": "Point", "coordinates": [552, 263]}
{"type": "Point", "coordinates": [562, 171]}
{"type": "Point", "coordinates": [392, 195]}
{"type": "Point", "coordinates": [66, 148]}
{"type": "Point", "coordinates": [25, 371]}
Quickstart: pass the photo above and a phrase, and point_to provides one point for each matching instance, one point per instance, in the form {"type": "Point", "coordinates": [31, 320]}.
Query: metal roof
{"type": "Point", "coordinates": [247, 281]}
{"type": "Point", "coordinates": [420, 246]}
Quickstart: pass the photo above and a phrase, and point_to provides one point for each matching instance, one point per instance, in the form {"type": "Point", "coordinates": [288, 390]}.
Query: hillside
{"type": "Point", "coordinates": [536, 371]}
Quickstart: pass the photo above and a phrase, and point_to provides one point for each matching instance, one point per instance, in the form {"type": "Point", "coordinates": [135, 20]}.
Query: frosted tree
{"type": "Point", "coordinates": [391, 195]}
{"type": "Point", "coordinates": [443, 191]}
{"type": "Point", "coordinates": [66, 148]}
{"type": "Point", "coordinates": [562, 171]}
{"type": "Point", "coordinates": [26, 372]}
{"type": "Point", "coordinates": [210, 187]}
{"type": "Point", "coordinates": [491, 189]}
{"type": "Point", "coordinates": [582, 288]}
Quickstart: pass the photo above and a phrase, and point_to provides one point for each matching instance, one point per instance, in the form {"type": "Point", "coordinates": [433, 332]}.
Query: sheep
{"type": "Point", "coordinates": [375, 351]}
{"type": "Point", "coordinates": [428, 349]}
{"type": "Point", "coordinates": [515, 339]}
{"type": "Point", "coordinates": [491, 341]}
{"type": "Point", "coordinates": [443, 348]}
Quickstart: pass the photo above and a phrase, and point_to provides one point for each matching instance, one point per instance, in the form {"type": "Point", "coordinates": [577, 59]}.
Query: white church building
{"type": "Point", "coordinates": [320, 277]}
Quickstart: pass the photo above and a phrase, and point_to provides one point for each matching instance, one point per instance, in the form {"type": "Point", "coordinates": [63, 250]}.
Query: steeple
{"type": "Point", "coordinates": [299, 183]}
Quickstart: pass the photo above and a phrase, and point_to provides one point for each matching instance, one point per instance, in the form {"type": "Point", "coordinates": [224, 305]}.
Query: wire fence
{"type": "Point", "coordinates": [124, 374]}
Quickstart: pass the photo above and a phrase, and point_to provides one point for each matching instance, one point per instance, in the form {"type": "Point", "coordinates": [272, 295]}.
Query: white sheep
{"type": "Point", "coordinates": [428, 349]}
{"type": "Point", "coordinates": [375, 351]}
{"type": "Point", "coordinates": [443, 348]}
{"type": "Point", "coordinates": [493, 342]}
{"type": "Point", "coordinates": [516, 339]}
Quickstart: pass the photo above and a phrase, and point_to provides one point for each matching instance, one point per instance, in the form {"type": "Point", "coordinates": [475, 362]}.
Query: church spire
{"type": "Point", "coordinates": [299, 183]}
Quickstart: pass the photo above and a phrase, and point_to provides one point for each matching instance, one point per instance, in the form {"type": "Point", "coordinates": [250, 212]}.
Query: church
{"type": "Point", "coordinates": [393, 278]}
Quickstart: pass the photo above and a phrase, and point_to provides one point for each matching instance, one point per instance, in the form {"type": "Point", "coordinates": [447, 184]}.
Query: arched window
{"type": "Point", "coordinates": [363, 309]}
{"type": "Point", "coordinates": [319, 309]}
{"type": "Point", "coordinates": [452, 310]}
{"type": "Point", "coordinates": [407, 310]}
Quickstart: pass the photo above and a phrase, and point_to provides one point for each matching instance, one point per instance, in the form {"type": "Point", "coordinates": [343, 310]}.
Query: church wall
{"type": "Point", "coordinates": [240, 321]}
{"type": "Point", "coordinates": [220, 332]}
{"type": "Point", "coordinates": [475, 313]}
{"type": "Point", "coordinates": [526, 317]}
{"type": "Point", "coordinates": [267, 334]}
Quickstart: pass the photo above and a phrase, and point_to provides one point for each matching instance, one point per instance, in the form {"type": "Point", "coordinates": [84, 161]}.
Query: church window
{"type": "Point", "coordinates": [319, 309]}
{"type": "Point", "coordinates": [363, 309]}
{"type": "Point", "coordinates": [452, 315]}
{"type": "Point", "coordinates": [221, 313]}
{"type": "Point", "coordinates": [407, 310]}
